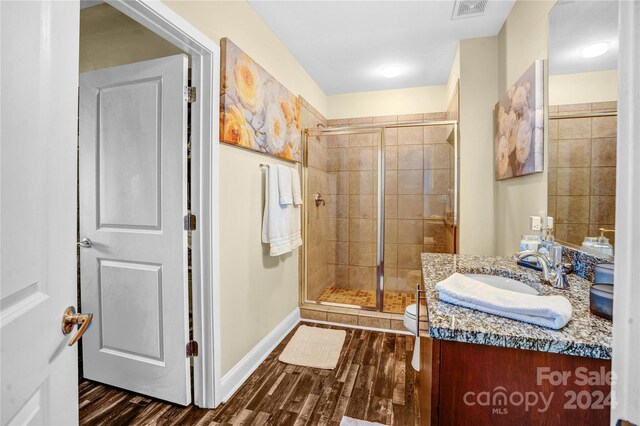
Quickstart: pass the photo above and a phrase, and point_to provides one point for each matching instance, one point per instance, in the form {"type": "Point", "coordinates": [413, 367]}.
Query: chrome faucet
{"type": "Point", "coordinates": [543, 260]}
{"type": "Point", "coordinates": [553, 269]}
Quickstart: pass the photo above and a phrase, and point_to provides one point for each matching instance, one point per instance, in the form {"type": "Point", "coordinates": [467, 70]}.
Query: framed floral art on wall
{"type": "Point", "coordinates": [256, 111]}
{"type": "Point", "coordinates": [519, 126]}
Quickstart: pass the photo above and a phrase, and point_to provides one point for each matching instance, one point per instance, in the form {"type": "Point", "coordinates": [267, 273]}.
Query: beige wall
{"type": "Point", "coordinates": [522, 39]}
{"type": "Point", "coordinates": [109, 37]}
{"type": "Point", "coordinates": [478, 95]}
{"type": "Point", "coordinates": [454, 75]}
{"type": "Point", "coordinates": [493, 215]}
{"type": "Point", "coordinates": [414, 100]}
{"type": "Point", "coordinates": [238, 21]}
{"type": "Point", "coordinates": [567, 89]}
{"type": "Point", "coordinates": [257, 291]}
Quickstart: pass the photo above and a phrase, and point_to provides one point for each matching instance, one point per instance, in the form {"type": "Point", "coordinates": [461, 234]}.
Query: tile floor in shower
{"type": "Point", "coordinates": [394, 301]}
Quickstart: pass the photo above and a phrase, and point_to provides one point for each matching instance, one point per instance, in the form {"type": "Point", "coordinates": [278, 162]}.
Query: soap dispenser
{"type": "Point", "coordinates": [603, 245]}
{"type": "Point", "coordinates": [548, 239]}
{"type": "Point", "coordinates": [589, 242]}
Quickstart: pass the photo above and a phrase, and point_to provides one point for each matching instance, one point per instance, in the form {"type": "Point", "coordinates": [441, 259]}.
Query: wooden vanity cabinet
{"type": "Point", "coordinates": [472, 384]}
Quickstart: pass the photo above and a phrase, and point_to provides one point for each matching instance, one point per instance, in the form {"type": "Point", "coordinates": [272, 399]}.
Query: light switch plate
{"type": "Point", "coordinates": [535, 223]}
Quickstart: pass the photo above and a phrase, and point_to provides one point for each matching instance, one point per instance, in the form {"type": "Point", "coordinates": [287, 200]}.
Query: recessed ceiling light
{"type": "Point", "coordinates": [594, 50]}
{"type": "Point", "coordinates": [391, 71]}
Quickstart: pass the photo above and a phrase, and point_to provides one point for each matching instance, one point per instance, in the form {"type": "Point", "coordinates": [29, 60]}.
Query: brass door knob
{"type": "Point", "coordinates": [71, 319]}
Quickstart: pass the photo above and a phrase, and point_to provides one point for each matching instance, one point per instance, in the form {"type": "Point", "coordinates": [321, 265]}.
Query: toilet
{"type": "Point", "coordinates": [410, 318]}
{"type": "Point", "coordinates": [410, 314]}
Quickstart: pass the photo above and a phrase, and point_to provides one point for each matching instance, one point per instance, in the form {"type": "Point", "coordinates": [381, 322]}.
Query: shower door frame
{"type": "Point", "coordinates": [380, 181]}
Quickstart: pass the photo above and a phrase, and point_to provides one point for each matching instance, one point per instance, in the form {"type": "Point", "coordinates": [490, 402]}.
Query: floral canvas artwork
{"type": "Point", "coordinates": [519, 126]}
{"type": "Point", "coordinates": [256, 111]}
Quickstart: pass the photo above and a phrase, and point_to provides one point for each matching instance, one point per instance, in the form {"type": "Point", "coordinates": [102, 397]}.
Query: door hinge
{"type": "Point", "coordinates": [190, 222]}
{"type": "Point", "coordinates": [190, 94]}
{"type": "Point", "coordinates": [192, 349]}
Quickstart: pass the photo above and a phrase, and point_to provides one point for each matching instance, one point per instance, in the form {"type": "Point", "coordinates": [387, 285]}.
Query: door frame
{"type": "Point", "coordinates": [625, 402]}
{"type": "Point", "coordinates": [205, 241]}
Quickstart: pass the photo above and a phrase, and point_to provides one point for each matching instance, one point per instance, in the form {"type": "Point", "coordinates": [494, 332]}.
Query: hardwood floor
{"type": "Point", "coordinates": [373, 381]}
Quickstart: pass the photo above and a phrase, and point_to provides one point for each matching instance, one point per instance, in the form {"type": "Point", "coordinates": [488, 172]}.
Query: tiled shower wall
{"type": "Point", "coordinates": [320, 273]}
{"type": "Point", "coordinates": [418, 162]}
{"type": "Point", "coordinates": [582, 171]}
{"type": "Point", "coordinates": [352, 207]}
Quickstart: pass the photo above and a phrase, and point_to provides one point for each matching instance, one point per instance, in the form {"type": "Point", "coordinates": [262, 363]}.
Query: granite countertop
{"type": "Point", "coordinates": [585, 335]}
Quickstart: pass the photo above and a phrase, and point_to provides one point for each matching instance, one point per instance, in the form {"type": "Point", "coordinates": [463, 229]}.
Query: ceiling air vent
{"type": "Point", "coordinates": [468, 8]}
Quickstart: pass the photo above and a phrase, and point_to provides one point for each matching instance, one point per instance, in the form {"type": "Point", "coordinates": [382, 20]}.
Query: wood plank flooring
{"type": "Point", "coordinates": [373, 381]}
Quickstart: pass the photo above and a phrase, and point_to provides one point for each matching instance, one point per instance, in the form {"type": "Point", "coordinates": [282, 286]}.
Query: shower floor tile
{"type": "Point", "coordinates": [394, 301]}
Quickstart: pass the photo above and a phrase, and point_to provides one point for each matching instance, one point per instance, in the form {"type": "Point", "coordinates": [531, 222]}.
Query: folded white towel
{"type": "Point", "coordinates": [284, 185]}
{"type": "Point", "coordinates": [277, 219]}
{"type": "Point", "coordinates": [546, 311]}
{"type": "Point", "coordinates": [295, 185]}
{"type": "Point", "coordinates": [296, 233]}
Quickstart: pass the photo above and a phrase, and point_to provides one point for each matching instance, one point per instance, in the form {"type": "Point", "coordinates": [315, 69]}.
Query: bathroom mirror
{"type": "Point", "coordinates": [582, 95]}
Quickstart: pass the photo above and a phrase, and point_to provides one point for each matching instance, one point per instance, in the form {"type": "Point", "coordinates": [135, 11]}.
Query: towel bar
{"type": "Point", "coordinates": [419, 297]}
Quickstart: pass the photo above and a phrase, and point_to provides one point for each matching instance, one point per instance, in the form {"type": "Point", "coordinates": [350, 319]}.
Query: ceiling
{"type": "Point", "coordinates": [344, 44]}
{"type": "Point", "coordinates": [574, 25]}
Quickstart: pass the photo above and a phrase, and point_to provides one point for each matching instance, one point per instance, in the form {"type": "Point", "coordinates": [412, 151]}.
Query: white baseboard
{"type": "Point", "coordinates": [247, 365]}
{"type": "Point", "coordinates": [361, 327]}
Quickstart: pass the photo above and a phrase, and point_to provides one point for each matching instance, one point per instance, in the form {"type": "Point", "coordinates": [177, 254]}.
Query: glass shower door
{"type": "Point", "coordinates": [379, 197]}
{"type": "Point", "coordinates": [419, 204]}
{"type": "Point", "coordinates": [343, 261]}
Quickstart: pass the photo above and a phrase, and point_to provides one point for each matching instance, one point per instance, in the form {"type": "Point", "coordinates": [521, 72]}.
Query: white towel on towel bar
{"type": "Point", "coordinates": [276, 221]}
{"type": "Point", "coordinates": [284, 185]}
{"type": "Point", "coordinates": [296, 234]}
{"type": "Point", "coordinates": [546, 311]}
{"type": "Point", "coordinates": [280, 223]}
{"type": "Point", "coordinates": [295, 185]}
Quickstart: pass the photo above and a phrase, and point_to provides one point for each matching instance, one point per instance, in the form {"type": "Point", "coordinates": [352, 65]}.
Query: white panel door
{"type": "Point", "coordinates": [133, 186]}
{"type": "Point", "coordinates": [38, 125]}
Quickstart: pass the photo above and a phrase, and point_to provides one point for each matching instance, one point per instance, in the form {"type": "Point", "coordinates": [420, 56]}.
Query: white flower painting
{"type": "Point", "coordinates": [519, 126]}
{"type": "Point", "coordinates": [257, 112]}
